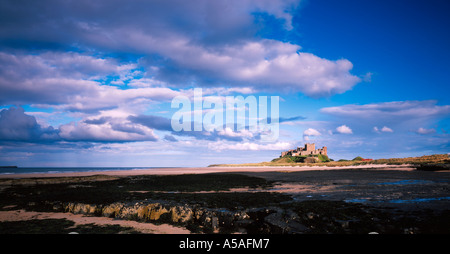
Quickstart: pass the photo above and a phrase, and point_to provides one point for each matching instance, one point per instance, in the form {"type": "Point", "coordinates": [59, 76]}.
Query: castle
{"type": "Point", "coordinates": [307, 150]}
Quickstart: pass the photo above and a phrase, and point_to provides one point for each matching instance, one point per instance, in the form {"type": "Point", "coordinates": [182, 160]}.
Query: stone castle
{"type": "Point", "coordinates": [309, 149]}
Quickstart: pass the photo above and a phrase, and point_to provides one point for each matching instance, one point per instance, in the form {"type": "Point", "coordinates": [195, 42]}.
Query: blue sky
{"type": "Point", "coordinates": [90, 84]}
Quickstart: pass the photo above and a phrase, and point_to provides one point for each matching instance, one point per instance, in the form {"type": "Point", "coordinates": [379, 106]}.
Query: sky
{"type": "Point", "coordinates": [90, 83]}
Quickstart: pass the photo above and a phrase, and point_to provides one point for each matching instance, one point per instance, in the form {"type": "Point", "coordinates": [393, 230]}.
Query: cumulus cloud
{"type": "Point", "coordinates": [311, 132]}
{"type": "Point", "coordinates": [108, 132]}
{"type": "Point", "coordinates": [70, 81]}
{"type": "Point", "coordinates": [211, 43]}
{"type": "Point", "coordinates": [228, 132]}
{"type": "Point", "coordinates": [15, 125]}
{"type": "Point", "coordinates": [266, 64]}
{"type": "Point", "coordinates": [424, 131]}
{"type": "Point", "coordinates": [386, 129]}
{"type": "Point", "coordinates": [344, 129]}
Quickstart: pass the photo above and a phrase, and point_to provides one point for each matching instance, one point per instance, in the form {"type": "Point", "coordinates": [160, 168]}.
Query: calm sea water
{"type": "Point", "coordinates": [50, 170]}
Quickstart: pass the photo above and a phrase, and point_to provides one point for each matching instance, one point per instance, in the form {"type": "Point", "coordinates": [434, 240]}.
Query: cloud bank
{"type": "Point", "coordinates": [176, 43]}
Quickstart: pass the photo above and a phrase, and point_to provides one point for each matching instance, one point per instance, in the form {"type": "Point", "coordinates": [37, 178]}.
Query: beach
{"type": "Point", "coordinates": [383, 198]}
{"type": "Point", "coordinates": [205, 170]}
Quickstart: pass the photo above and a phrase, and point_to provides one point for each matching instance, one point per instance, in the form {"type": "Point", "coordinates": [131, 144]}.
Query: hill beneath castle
{"type": "Point", "coordinates": [427, 162]}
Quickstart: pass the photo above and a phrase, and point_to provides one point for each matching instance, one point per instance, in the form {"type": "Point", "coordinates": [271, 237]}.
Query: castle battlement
{"type": "Point", "coordinates": [308, 149]}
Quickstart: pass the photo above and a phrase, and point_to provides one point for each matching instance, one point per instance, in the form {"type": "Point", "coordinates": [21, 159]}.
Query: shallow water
{"type": "Point", "coordinates": [406, 182]}
{"type": "Point", "coordinates": [395, 201]}
{"type": "Point", "coordinates": [54, 170]}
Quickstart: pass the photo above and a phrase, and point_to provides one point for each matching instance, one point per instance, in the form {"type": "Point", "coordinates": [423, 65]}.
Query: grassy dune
{"type": "Point", "coordinates": [438, 160]}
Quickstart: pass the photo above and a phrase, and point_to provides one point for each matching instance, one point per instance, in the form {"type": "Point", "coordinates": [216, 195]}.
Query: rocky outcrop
{"type": "Point", "coordinates": [195, 217]}
{"type": "Point", "coordinates": [292, 218]}
{"type": "Point", "coordinates": [268, 220]}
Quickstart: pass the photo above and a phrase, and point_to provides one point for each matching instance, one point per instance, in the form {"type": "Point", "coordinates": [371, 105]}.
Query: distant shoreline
{"type": "Point", "coordinates": [205, 170]}
{"type": "Point", "coordinates": [437, 162]}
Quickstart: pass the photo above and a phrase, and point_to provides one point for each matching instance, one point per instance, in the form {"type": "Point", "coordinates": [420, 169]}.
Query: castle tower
{"type": "Point", "coordinates": [310, 147]}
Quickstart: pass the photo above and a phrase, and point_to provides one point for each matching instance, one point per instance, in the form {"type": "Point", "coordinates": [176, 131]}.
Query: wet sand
{"type": "Point", "coordinates": [409, 190]}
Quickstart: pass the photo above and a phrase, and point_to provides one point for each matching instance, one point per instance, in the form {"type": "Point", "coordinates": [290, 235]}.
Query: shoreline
{"type": "Point", "coordinates": [206, 170]}
{"type": "Point", "coordinates": [252, 200]}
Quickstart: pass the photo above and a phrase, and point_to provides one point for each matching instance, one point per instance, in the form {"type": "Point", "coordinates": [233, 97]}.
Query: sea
{"type": "Point", "coordinates": [53, 170]}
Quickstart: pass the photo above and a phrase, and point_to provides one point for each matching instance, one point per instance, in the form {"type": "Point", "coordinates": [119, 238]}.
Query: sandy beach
{"type": "Point", "coordinates": [192, 200]}
{"type": "Point", "coordinates": [80, 219]}
{"type": "Point", "coordinates": [205, 170]}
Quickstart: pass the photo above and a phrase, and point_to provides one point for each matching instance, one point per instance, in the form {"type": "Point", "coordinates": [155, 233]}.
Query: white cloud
{"type": "Point", "coordinates": [344, 129]}
{"type": "Point", "coordinates": [106, 132]}
{"type": "Point", "coordinates": [228, 132]}
{"type": "Point", "coordinates": [424, 131]}
{"type": "Point", "coordinates": [249, 146]}
{"type": "Point", "coordinates": [386, 129]}
{"type": "Point", "coordinates": [311, 132]}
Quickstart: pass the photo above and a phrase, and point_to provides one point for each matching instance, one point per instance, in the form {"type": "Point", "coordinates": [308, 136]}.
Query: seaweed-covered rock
{"type": "Point", "coordinates": [80, 208]}
{"type": "Point", "coordinates": [112, 210]}
{"type": "Point", "coordinates": [181, 214]}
